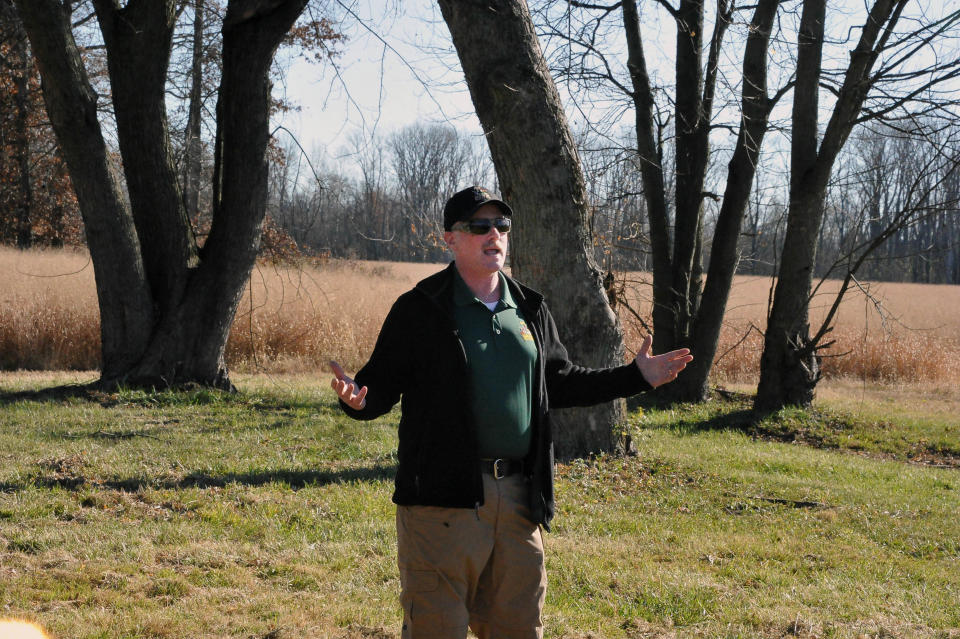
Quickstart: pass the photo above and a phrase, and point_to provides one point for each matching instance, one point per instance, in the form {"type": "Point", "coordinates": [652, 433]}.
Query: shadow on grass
{"type": "Point", "coordinates": [294, 479]}
{"type": "Point", "coordinates": [742, 420]}
{"type": "Point", "coordinates": [190, 395]}
{"type": "Point", "coordinates": [89, 392]}
{"type": "Point", "coordinates": [811, 426]}
{"type": "Point", "coordinates": [718, 414]}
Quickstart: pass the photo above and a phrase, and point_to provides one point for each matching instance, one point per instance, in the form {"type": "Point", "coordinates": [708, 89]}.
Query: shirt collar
{"type": "Point", "coordinates": [463, 296]}
{"type": "Point", "coordinates": [506, 297]}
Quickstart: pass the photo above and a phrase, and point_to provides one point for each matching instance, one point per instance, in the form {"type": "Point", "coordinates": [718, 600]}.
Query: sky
{"type": "Point", "coordinates": [396, 67]}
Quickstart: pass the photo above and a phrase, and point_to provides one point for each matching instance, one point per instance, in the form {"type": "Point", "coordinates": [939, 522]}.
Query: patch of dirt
{"type": "Point", "coordinates": [66, 471]}
{"type": "Point", "coordinates": [642, 629]}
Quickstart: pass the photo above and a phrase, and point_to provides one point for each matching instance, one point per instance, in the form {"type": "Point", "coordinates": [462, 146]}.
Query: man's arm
{"type": "Point", "coordinates": [379, 384]}
{"type": "Point", "coordinates": [571, 385]}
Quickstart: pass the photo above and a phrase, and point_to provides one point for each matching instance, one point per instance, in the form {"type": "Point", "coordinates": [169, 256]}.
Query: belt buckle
{"type": "Point", "coordinates": [497, 474]}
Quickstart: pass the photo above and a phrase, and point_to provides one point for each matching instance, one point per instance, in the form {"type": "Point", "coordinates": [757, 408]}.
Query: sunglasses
{"type": "Point", "coordinates": [482, 226]}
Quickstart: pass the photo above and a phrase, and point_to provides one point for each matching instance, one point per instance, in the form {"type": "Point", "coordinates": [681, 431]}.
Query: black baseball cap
{"type": "Point", "coordinates": [465, 203]}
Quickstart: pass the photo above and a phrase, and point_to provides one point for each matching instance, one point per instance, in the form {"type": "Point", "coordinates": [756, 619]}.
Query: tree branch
{"type": "Point", "coordinates": [585, 5]}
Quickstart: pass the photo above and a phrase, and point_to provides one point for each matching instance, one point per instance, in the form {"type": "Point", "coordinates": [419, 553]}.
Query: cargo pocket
{"type": "Point", "coordinates": [421, 615]}
{"type": "Point", "coordinates": [422, 580]}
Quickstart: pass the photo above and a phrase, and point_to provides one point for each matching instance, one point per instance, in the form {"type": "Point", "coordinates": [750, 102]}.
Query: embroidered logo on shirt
{"type": "Point", "coordinates": [525, 332]}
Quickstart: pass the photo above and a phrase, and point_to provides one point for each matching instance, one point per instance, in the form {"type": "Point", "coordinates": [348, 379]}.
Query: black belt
{"type": "Point", "coordinates": [501, 468]}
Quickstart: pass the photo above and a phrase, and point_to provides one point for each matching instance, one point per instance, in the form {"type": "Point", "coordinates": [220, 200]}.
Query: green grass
{"type": "Point", "coordinates": [906, 432]}
{"type": "Point", "coordinates": [268, 514]}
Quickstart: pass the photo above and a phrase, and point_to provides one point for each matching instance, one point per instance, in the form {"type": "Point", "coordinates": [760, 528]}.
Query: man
{"type": "Point", "coordinates": [475, 360]}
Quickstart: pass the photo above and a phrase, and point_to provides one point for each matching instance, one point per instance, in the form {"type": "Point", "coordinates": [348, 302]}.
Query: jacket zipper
{"type": "Point", "coordinates": [478, 481]}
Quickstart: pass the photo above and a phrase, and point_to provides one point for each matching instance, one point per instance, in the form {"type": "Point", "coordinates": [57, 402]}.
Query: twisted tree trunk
{"type": "Point", "coordinates": [540, 176]}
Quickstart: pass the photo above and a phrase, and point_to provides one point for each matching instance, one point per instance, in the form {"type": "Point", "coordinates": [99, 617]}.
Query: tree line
{"type": "Point", "coordinates": [384, 200]}
{"type": "Point", "coordinates": [885, 180]}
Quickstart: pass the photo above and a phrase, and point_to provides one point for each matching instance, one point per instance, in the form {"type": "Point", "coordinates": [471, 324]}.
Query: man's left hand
{"type": "Point", "coordinates": [660, 369]}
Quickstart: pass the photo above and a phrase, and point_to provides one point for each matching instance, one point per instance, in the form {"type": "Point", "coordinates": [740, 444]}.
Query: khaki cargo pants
{"type": "Point", "coordinates": [463, 567]}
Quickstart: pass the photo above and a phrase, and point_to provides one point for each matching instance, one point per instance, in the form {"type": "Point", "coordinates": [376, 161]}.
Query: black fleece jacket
{"type": "Point", "coordinates": [419, 360]}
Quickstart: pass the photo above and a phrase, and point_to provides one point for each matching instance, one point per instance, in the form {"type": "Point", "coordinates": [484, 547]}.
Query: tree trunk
{"type": "Point", "coordinates": [138, 38]}
{"type": "Point", "coordinates": [790, 366]}
{"type": "Point", "coordinates": [539, 173]}
{"type": "Point", "coordinates": [654, 191]}
{"type": "Point", "coordinates": [681, 315]}
{"type": "Point", "coordinates": [165, 311]}
{"type": "Point", "coordinates": [189, 342]}
{"type": "Point", "coordinates": [692, 120]}
{"type": "Point", "coordinates": [192, 156]}
{"type": "Point", "coordinates": [724, 254]}
{"type": "Point", "coordinates": [126, 311]}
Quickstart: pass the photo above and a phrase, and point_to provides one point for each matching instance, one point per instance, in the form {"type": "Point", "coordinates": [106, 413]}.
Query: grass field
{"type": "Point", "coordinates": [266, 514]}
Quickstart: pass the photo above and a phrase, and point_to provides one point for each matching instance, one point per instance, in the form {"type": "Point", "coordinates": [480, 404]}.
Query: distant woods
{"type": "Point", "coordinates": [382, 199]}
{"type": "Point", "coordinates": [380, 196]}
{"type": "Point", "coordinates": [37, 203]}
{"type": "Point", "coordinates": [384, 202]}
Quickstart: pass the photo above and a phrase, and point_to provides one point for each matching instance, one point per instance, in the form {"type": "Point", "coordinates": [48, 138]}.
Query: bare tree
{"type": "Point", "coordinates": [372, 206]}
{"type": "Point", "coordinates": [295, 194]}
{"type": "Point", "coordinates": [687, 311]}
{"type": "Point", "coordinates": [904, 181]}
{"type": "Point", "coordinates": [427, 162]}
{"type": "Point", "coordinates": [166, 305]}
{"type": "Point", "coordinates": [430, 162]}
{"type": "Point", "coordinates": [889, 75]}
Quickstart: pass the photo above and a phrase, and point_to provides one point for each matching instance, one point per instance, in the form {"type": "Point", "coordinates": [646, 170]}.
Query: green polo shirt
{"type": "Point", "coordinates": [501, 358]}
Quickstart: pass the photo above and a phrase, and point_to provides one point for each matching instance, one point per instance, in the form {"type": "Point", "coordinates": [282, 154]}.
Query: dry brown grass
{"type": "Point", "coordinates": [884, 332]}
{"type": "Point", "coordinates": [48, 310]}
{"type": "Point", "coordinates": [295, 319]}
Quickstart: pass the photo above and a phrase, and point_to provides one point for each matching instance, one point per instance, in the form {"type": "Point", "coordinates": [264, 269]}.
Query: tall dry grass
{"type": "Point", "coordinates": [295, 319]}
{"type": "Point", "coordinates": [290, 319]}
{"type": "Point", "coordinates": [48, 311]}
{"type": "Point", "coordinates": [883, 332]}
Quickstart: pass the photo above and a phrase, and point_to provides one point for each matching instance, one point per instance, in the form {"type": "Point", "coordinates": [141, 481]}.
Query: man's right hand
{"type": "Point", "coordinates": [346, 388]}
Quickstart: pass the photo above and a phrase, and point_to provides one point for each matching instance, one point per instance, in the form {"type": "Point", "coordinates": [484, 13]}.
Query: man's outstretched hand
{"type": "Point", "coordinates": [346, 388]}
{"type": "Point", "coordinates": [660, 369]}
